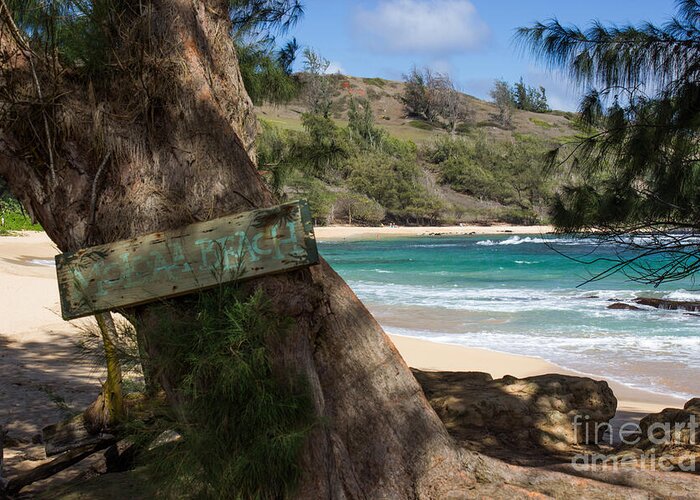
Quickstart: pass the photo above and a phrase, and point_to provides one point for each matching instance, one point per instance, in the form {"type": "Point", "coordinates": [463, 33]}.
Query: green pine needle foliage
{"type": "Point", "coordinates": [637, 170]}
{"type": "Point", "coordinates": [244, 424]}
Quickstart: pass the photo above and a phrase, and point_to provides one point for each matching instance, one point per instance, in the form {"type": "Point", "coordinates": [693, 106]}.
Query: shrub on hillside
{"type": "Point", "coordinates": [396, 184]}
{"type": "Point", "coordinates": [467, 176]}
{"type": "Point", "coordinates": [320, 198]}
{"type": "Point", "coordinates": [510, 173]}
{"type": "Point", "coordinates": [353, 208]}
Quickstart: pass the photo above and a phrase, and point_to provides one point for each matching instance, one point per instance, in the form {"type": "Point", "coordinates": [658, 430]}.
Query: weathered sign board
{"type": "Point", "coordinates": [195, 257]}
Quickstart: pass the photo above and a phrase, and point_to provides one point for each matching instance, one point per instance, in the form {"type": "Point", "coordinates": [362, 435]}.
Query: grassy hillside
{"type": "Point", "coordinates": [384, 95]}
{"type": "Point", "coordinates": [484, 174]}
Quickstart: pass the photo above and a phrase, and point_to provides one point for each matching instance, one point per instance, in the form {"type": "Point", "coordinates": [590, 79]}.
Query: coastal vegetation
{"type": "Point", "coordinates": [414, 154]}
{"type": "Point", "coordinates": [13, 217]}
{"type": "Point", "coordinates": [123, 118]}
{"type": "Point", "coordinates": [637, 169]}
{"type": "Point", "coordinates": [243, 426]}
{"type": "Point", "coordinates": [503, 98]}
{"type": "Point", "coordinates": [529, 98]}
{"type": "Point", "coordinates": [344, 170]}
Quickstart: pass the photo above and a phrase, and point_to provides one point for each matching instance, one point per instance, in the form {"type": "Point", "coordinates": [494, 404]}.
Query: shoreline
{"type": "Point", "coordinates": [34, 335]}
{"type": "Point", "coordinates": [341, 232]}
{"type": "Point", "coordinates": [360, 233]}
{"type": "Point", "coordinates": [425, 354]}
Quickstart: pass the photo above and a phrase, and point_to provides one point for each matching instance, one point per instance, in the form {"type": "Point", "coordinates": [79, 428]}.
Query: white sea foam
{"type": "Point", "coordinates": [519, 240]}
{"type": "Point", "coordinates": [589, 353]}
{"type": "Point", "coordinates": [491, 299]}
{"type": "Point", "coordinates": [670, 240]}
{"type": "Point", "coordinates": [435, 245]}
{"type": "Point", "coordinates": [683, 295]}
{"type": "Point", "coordinates": [43, 262]}
{"type": "Point", "coordinates": [641, 241]}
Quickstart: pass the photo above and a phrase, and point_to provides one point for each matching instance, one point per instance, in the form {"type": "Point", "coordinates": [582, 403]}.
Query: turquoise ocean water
{"type": "Point", "coordinates": [516, 294]}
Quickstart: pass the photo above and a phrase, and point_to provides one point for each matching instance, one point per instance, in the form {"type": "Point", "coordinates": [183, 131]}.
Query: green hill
{"type": "Point", "coordinates": [484, 173]}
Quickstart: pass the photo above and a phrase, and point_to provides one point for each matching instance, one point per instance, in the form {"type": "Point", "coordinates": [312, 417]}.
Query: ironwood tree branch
{"type": "Point", "coordinates": [29, 54]}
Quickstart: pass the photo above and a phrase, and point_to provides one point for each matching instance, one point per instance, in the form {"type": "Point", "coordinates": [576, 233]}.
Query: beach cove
{"type": "Point", "coordinates": [44, 359]}
{"type": "Point", "coordinates": [522, 293]}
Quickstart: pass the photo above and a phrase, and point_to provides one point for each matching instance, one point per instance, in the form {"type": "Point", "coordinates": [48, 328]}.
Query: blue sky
{"type": "Point", "coordinates": [469, 39]}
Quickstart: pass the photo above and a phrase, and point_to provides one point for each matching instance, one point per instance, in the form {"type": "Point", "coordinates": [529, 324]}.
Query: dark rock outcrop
{"type": "Point", "coordinates": [669, 439]}
{"type": "Point", "coordinates": [668, 304]}
{"type": "Point", "coordinates": [623, 306]}
{"type": "Point", "coordinates": [553, 412]}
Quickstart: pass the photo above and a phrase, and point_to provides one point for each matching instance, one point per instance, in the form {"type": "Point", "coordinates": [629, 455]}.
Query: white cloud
{"type": "Point", "coordinates": [442, 66]}
{"type": "Point", "coordinates": [562, 94]}
{"type": "Point", "coordinates": [425, 26]}
{"type": "Point", "coordinates": [333, 68]}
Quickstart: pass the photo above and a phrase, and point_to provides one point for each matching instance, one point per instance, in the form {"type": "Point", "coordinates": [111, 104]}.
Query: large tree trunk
{"type": "Point", "coordinates": [167, 139]}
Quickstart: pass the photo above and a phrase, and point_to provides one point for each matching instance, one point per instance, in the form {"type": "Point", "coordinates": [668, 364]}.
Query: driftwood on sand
{"type": "Point", "coordinates": [72, 440]}
{"type": "Point", "coordinates": [72, 434]}
{"type": "Point", "coordinates": [55, 466]}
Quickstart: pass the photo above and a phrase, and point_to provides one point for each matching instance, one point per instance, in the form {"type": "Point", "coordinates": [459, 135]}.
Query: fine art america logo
{"type": "Point", "coordinates": [658, 440]}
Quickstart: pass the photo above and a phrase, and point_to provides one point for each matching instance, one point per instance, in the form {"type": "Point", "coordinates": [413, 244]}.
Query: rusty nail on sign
{"type": "Point", "coordinates": [194, 257]}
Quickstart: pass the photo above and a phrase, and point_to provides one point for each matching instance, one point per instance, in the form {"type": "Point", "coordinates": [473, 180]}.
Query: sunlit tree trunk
{"type": "Point", "coordinates": [112, 386]}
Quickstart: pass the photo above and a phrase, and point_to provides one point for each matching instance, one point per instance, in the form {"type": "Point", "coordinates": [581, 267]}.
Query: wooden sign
{"type": "Point", "coordinates": [195, 257]}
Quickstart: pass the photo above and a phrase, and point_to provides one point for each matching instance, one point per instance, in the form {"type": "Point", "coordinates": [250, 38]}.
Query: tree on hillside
{"type": "Point", "coordinates": [451, 104]}
{"type": "Point", "coordinates": [148, 127]}
{"type": "Point", "coordinates": [502, 97]}
{"type": "Point", "coordinates": [433, 96]}
{"type": "Point", "coordinates": [356, 207]}
{"type": "Point", "coordinates": [326, 147]}
{"type": "Point", "coordinates": [529, 98]}
{"type": "Point", "coordinates": [638, 170]}
{"type": "Point", "coordinates": [417, 97]}
{"type": "Point", "coordinates": [519, 93]}
{"type": "Point", "coordinates": [318, 88]}
{"type": "Point", "coordinates": [361, 122]}
{"type": "Point", "coordinates": [524, 172]}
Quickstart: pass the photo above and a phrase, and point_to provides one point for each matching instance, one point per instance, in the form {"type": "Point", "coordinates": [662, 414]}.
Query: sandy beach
{"type": "Point", "coordinates": [349, 233]}
{"type": "Point", "coordinates": [43, 378]}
